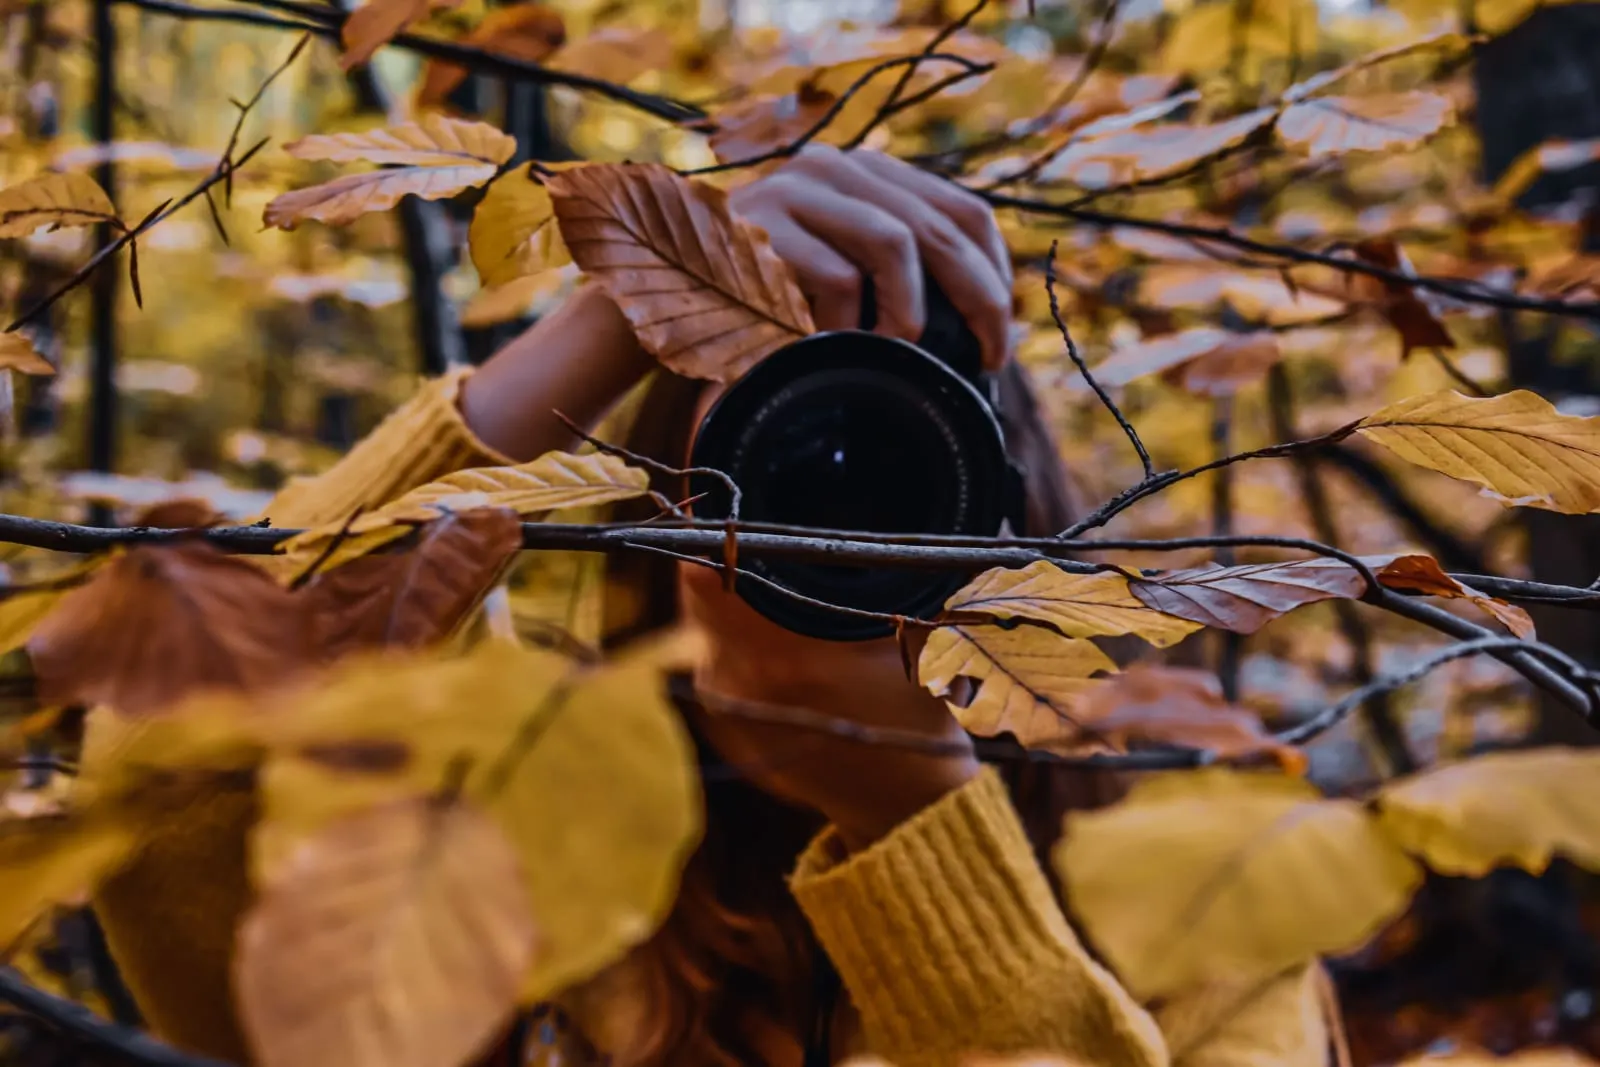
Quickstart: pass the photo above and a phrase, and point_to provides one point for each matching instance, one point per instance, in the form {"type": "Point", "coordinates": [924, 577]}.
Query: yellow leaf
{"type": "Point", "coordinates": [705, 292]}
{"type": "Point", "coordinates": [513, 231]}
{"type": "Point", "coordinates": [588, 770]}
{"type": "Point", "coordinates": [1207, 36]}
{"type": "Point", "coordinates": [377, 22]}
{"type": "Point", "coordinates": [71, 199]}
{"type": "Point", "coordinates": [57, 859]}
{"type": "Point", "coordinates": [1078, 605]}
{"type": "Point", "coordinates": [21, 612]}
{"type": "Point", "coordinates": [433, 158]}
{"type": "Point", "coordinates": [1222, 876]}
{"type": "Point", "coordinates": [311, 547]}
{"type": "Point", "coordinates": [1328, 125]}
{"type": "Point", "coordinates": [553, 481]}
{"type": "Point", "coordinates": [17, 353]}
{"type": "Point", "coordinates": [1522, 808]}
{"type": "Point", "coordinates": [1517, 446]}
{"type": "Point", "coordinates": [516, 298]}
{"type": "Point", "coordinates": [395, 937]}
{"type": "Point", "coordinates": [1555, 155]}
{"type": "Point", "coordinates": [1030, 681]}
{"type": "Point", "coordinates": [1145, 153]}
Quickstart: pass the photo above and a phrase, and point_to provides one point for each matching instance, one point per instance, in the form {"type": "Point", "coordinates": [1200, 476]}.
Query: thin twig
{"type": "Point", "coordinates": [84, 1025]}
{"type": "Point", "coordinates": [1083, 368]}
{"type": "Point", "coordinates": [244, 113]}
{"type": "Point", "coordinates": [1461, 377]}
{"type": "Point", "coordinates": [889, 105]}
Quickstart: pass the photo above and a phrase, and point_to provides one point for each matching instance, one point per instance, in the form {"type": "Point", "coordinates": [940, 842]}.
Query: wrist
{"type": "Point", "coordinates": [912, 792]}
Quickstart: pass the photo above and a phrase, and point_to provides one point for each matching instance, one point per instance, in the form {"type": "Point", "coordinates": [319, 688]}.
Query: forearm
{"type": "Point", "coordinates": [579, 361]}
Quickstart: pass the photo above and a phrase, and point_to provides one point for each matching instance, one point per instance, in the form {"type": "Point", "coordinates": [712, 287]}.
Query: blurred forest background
{"type": "Point", "coordinates": [262, 355]}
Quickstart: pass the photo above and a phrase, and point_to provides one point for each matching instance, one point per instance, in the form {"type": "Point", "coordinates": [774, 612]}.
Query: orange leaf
{"type": "Point", "coordinates": [1145, 153]}
{"type": "Point", "coordinates": [1330, 125]}
{"type": "Point", "coordinates": [377, 22]}
{"type": "Point", "coordinates": [1180, 706]}
{"type": "Point", "coordinates": [705, 292]}
{"type": "Point", "coordinates": [1204, 360]}
{"type": "Point", "coordinates": [1422, 574]}
{"type": "Point", "coordinates": [18, 353]}
{"type": "Point", "coordinates": [417, 594]}
{"type": "Point", "coordinates": [1404, 307]}
{"type": "Point", "coordinates": [526, 31]}
{"type": "Point", "coordinates": [157, 623]}
{"type": "Point", "coordinates": [753, 127]}
{"type": "Point", "coordinates": [1244, 599]}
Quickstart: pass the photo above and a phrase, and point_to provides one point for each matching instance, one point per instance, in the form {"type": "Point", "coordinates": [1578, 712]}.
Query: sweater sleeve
{"type": "Point", "coordinates": [949, 940]}
{"type": "Point", "coordinates": [423, 439]}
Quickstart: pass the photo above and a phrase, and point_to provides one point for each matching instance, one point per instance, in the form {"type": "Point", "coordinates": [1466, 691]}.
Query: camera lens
{"type": "Point", "coordinates": [853, 431]}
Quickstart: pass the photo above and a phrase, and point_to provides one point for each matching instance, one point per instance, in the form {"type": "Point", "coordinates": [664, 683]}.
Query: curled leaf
{"type": "Point", "coordinates": [71, 199]}
{"type": "Point", "coordinates": [1422, 574]}
{"type": "Point", "coordinates": [705, 292]}
{"type": "Point", "coordinates": [1522, 808]}
{"type": "Point", "coordinates": [1222, 876]}
{"type": "Point", "coordinates": [395, 937]}
{"type": "Point", "coordinates": [377, 22]}
{"type": "Point", "coordinates": [1406, 308]}
{"type": "Point", "coordinates": [1030, 681]}
{"type": "Point", "coordinates": [1078, 605]}
{"type": "Point", "coordinates": [1517, 446]}
{"type": "Point", "coordinates": [1244, 599]}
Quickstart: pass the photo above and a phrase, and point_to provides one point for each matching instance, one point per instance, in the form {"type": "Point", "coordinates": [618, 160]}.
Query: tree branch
{"type": "Point", "coordinates": [78, 1022]}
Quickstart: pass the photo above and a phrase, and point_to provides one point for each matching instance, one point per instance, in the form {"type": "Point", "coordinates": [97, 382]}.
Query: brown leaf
{"type": "Point", "coordinates": [1331, 125]}
{"type": "Point", "coordinates": [616, 53]}
{"type": "Point", "coordinates": [158, 623]}
{"type": "Point", "coordinates": [1404, 307]}
{"type": "Point", "coordinates": [753, 127]}
{"type": "Point", "coordinates": [705, 292]}
{"type": "Point", "coordinates": [1031, 682]}
{"type": "Point", "coordinates": [1422, 574]}
{"type": "Point", "coordinates": [1517, 446]}
{"type": "Point", "coordinates": [1148, 152]}
{"type": "Point", "coordinates": [1258, 296]}
{"type": "Point", "coordinates": [1153, 705]}
{"type": "Point", "coordinates": [394, 937]}
{"type": "Point", "coordinates": [70, 199]}
{"type": "Point", "coordinates": [525, 31]}
{"type": "Point", "coordinates": [433, 158]}
{"type": "Point", "coordinates": [177, 515]}
{"type": "Point", "coordinates": [416, 595]}
{"type": "Point", "coordinates": [1204, 360]}
{"type": "Point", "coordinates": [17, 353]}
{"type": "Point", "coordinates": [1244, 599]}
{"type": "Point", "coordinates": [1078, 605]}
{"type": "Point", "coordinates": [377, 22]}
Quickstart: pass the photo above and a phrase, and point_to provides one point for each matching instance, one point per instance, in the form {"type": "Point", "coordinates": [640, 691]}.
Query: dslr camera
{"type": "Point", "coordinates": [853, 431]}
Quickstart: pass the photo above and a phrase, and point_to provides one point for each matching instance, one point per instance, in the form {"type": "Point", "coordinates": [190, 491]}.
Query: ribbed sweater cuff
{"type": "Point", "coordinates": [424, 439]}
{"type": "Point", "coordinates": [935, 924]}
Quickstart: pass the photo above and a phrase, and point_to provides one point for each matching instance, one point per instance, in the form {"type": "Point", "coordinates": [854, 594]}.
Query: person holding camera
{"type": "Point", "coordinates": [846, 897]}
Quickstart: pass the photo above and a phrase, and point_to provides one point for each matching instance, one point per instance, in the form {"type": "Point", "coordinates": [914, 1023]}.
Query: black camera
{"type": "Point", "coordinates": [852, 431]}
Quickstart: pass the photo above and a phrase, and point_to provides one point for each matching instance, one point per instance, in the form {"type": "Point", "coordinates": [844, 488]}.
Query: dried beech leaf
{"type": "Point", "coordinates": [1078, 605]}
{"type": "Point", "coordinates": [433, 158]}
{"type": "Point", "coordinates": [756, 126]}
{"type": "Point", "coordinates": [1205, 360]}
{"type": "Point", "coordinates": [1331, 125]}
{"type": "Point", "coordinates": [1517, 446]}
{"type": "Point", "coordinates": [1148, 152]}
{"type": "Point", "coordinates": [525, 31]}
{"type": "Point", "coordinates": [705, 292]}
{"type": "Point", "coordinates": [1422, 574]}
{"type": "Point", "coordinates": [71, 199]}
{"type": "Point", "coordinates": [57, 859]}
{"type": "Point", "coordinates": [514, 232]}
{"type": "Point", "coordinates": [1408, 309]}
{"type": "Point", "coordinates": [1258, 296]}
{"type": "Point", "coordinates": [616, 53]}
{"type": "Point", "coordinates": [393, 938]}
{"type": "Point", "coordinates": [17, 353]}
{"type": "Point", "coordinates": [377, 22]}
{"type": "Point", "coordinates": [513, 300]}
{"type": "Point", "coordinates": [553, 481]}
{"type": "Point", "coordinates": [181, 514]}
{"type": "Point", "coordinates": [157, 623]}
{"type": "Point", "coordinates": [1244, 599]}
{"type": "Point", "coordinates": [1151, 705]}
{"type": "Point", "coordinates": [1523, 808]}
{"type": "Point", "coordinates": [417, 595]}
{"type": "Point", "coordinates": [21, 613]}
{"type": "Point", "coordinates": [1031, 682]}
{"type": "Point", "coordinates": [589, 770]}
{"type": "Point", "coordinates": [1223, 876]}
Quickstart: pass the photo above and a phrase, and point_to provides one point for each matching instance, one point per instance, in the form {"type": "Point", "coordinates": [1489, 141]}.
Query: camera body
{"type": "Point", "coordinates": [853, 431]}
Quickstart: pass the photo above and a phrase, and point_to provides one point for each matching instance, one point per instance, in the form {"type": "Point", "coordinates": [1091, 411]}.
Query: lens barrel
{"type": "Point", "coordinates": [850, 430]}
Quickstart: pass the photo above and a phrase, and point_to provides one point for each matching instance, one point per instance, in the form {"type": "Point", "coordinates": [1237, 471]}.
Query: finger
{"type": "Point", "coordinates": [880, 245]}
{"type": "Point", "coordinates": [830, 282]}
{"type": "Point", "coordinates": [966, 209]}
{"type": "Point", "coordinates": [962, 267]}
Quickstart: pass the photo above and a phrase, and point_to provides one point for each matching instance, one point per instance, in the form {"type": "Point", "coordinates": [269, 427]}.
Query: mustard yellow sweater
{"type": "Point", "coordinates": [945, 933]}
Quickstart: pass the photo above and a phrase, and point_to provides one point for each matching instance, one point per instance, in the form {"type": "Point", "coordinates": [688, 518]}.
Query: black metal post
{"type": "Point", "coordinates": [102, 437]}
